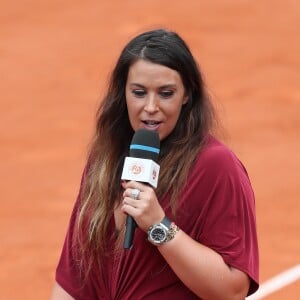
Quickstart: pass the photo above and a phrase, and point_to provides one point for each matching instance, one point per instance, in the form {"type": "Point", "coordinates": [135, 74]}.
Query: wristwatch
{"type": "Point", "coordinates": [163, 232]}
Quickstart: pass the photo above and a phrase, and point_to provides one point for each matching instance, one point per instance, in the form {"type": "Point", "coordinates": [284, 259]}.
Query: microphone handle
{"type": "Point", "coordinates": [129, 232]}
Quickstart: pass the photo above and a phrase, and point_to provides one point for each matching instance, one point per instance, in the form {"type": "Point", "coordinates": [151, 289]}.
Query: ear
{"type": "Point", "coordinates": [185, 99]}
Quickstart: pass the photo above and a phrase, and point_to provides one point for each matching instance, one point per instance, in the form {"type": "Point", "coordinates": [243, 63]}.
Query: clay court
{"type": "Point", "coordinates": [55, 57]}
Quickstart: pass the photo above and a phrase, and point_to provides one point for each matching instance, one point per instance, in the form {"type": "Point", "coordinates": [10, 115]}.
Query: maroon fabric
{"type": "Point", "coordinates": [216, 208]}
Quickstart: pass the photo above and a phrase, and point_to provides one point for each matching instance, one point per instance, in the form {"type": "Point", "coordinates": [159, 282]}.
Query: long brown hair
{"type": "Point", "coordinates": [101, 187]}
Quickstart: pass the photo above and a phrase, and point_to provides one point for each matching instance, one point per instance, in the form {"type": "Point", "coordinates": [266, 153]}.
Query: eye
{"type": "Point", "coordinates": [139, 93]}
{"type": "Point", "coordinates": [166, 94]}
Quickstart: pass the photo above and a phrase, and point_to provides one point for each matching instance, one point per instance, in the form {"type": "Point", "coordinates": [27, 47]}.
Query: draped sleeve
{"type": "Point", "coordinates": [217, 208]}
{"type": "Point", "coordinates": [70, 272]}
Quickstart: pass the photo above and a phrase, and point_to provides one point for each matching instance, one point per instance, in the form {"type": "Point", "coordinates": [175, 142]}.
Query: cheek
{"type": "Point", "coordinates": [174, 114]}
{"type": "Point", "coordinates": [133, 114]}
{"type": "Point", "coordinates": [127, 100]}
{"type": "Point", "coordinates": [132, 108]}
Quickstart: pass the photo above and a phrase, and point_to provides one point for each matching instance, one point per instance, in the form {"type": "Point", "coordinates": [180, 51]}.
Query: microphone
{"type": "Point", "coordinates": [141, 166]}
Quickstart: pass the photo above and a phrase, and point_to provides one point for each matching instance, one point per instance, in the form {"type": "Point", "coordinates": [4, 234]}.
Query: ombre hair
{"type": "Point", "coordinates": [101, 188]}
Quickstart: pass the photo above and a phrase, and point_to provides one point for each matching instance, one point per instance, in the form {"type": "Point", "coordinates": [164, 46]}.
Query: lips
{"type": "Point", "coordinates": [151, 124]}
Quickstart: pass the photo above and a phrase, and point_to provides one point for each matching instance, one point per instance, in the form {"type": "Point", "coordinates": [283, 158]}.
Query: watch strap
{"type": "Point", "coordinates": [167, 222]}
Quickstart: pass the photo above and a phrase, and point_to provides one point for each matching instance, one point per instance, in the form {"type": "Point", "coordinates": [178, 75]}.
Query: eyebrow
{"type": "Point", "coordinates": [161, 87]}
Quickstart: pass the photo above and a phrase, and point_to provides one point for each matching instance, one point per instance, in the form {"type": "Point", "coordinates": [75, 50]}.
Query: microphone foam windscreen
{"type": "Point", "coordinates": [145, 144]}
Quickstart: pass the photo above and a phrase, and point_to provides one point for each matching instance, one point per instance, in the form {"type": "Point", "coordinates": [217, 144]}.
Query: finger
{"type": "Point", "coordinates": [135, 193]}
{"type": "Point", "coordinates": [135, 185]}
{"type": "Point", "coordinates": [131, 202]}
{"type": "Point", "coordinates": [130, 207]}
{"type": "Point", "coordinates": [132, 193]}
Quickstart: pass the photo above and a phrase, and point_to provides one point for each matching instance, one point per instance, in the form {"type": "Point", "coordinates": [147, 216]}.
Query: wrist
{"type": "Point", "coordinates": [162, 232]}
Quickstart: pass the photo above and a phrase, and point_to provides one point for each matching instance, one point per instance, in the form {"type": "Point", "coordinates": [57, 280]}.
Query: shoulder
{"type": "Point", "coordinates": [216, 156]}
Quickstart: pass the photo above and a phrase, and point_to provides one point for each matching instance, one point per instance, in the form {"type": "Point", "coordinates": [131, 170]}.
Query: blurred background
{"type": "Point", "coordinates": [55, 58]}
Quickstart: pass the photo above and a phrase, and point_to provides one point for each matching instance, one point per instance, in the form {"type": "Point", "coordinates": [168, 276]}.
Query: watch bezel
{"type": "Point", "coordinates": [152, 229]}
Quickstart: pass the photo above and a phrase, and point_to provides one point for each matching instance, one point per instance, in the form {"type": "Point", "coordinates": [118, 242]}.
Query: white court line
{"type": "Point", "coordinates": [276, 283]}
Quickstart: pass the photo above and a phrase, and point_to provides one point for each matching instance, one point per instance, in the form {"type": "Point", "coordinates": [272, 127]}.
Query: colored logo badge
{"type": "Point", "coordinates": [136, 168]}
{"type": "Point", "coordinates": [154, 174]}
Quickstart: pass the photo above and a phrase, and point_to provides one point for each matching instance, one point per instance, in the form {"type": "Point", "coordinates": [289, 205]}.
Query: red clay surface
{"type": "Point", "coordinates": [54, 60]}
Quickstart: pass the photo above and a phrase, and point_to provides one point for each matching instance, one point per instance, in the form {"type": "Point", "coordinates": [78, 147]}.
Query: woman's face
{"type": "Point", "coordinates": [154, 97]}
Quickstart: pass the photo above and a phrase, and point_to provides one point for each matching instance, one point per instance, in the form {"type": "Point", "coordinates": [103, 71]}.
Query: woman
{"type": "Point", "coordinates": [204, 200]}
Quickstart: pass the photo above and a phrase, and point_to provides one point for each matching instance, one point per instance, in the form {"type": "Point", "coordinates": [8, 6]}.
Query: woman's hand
{"type": "Point", "coordinates": [146, 209]}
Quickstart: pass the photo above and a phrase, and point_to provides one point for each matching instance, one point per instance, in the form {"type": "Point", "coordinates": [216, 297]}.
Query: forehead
{"type": "Point", "coordinates": [145, 71]}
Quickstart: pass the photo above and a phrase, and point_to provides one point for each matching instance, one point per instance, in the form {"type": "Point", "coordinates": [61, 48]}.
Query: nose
{"type": "Point", "coordinates": [152, 104]}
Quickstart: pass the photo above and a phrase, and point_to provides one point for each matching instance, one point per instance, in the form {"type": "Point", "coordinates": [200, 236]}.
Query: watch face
{"type": "Point", "coordinates": [158, 234]}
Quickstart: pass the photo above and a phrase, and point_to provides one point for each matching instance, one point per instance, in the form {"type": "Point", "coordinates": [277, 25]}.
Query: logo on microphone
{"type": "Point", "coordinates": [154, 174]}
{"type": "Point", "coordinates": [136, 168]}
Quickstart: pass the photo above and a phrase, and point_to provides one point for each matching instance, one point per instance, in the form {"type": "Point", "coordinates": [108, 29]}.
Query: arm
{"type": "Point", "coordinates": [199, 267]}
{"type": "Point", "coordinates": [203, 270]}
{"type": "Point", "coordinates": [59, 293]}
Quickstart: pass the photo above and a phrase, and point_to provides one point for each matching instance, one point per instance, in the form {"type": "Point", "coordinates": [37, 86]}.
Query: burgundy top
{"type": "Point", "coordinates": [217, 208]}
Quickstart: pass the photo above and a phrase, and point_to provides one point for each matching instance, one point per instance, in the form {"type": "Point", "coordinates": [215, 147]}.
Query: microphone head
{"type": "Point", "coordinates": [145, 144]}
